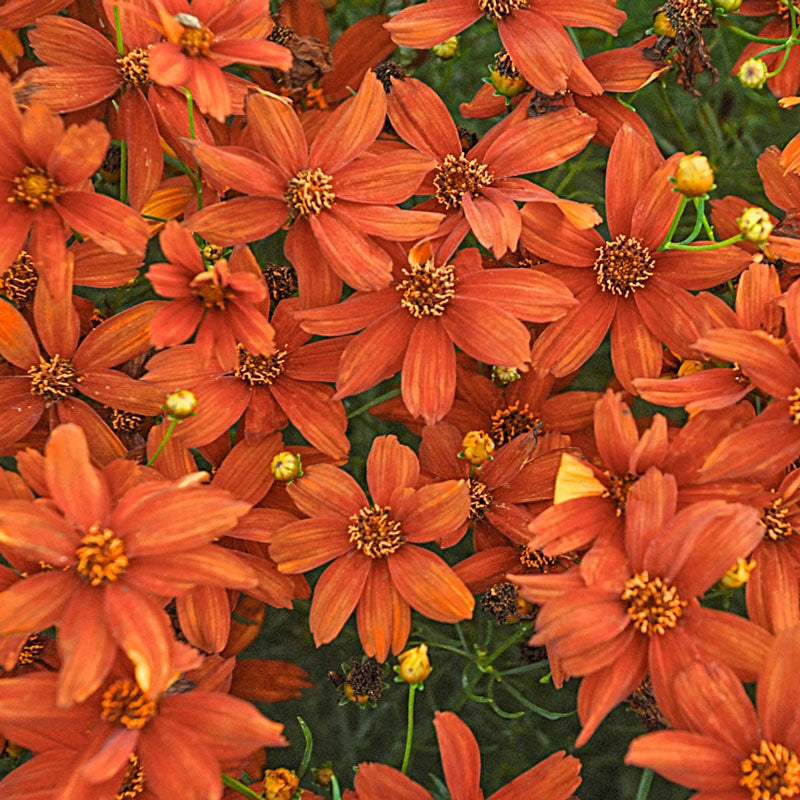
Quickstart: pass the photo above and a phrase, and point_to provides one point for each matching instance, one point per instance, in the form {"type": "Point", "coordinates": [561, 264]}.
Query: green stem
{"type": "Point", "coordinates": [118, 31]}
{"type": "Point", "coordinates": [675, 222]}
{"type": "Point", "coordinates": [450, 648]}
{"type": "Point", "coordinates": [123, 171]}
{"type": "Point", "coordinates": [336, 792]}
{"type": "Point", "coordinates": [306, 760]}
{"type": "Point", "coordinates": [412, 690]}
{"type": "Point", "coordinates": [163, 444]}
{"type": "Point", "coordinates": [644, 784]}
{"type": "Point", "coordinates": [519, 634]}
{"type": "Point", "coordinates": [238, 786]}
{"type": "Point", "coordinates": [190, 109]}
{"type": "Point", "coordinates": [747, 35]}
{"type": "Point", "coordinates": [700, 211]}
{"type": "Point", "coordinates": [700, 247]}
{"type": "Point", "coordinates": [780, 66]}
{"type": "Point", "coordinates": [372, 403]}
{"type": "Point", "coordinates": [675, 119]}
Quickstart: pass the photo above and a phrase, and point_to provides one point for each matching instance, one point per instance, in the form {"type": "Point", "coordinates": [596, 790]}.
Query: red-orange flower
{"type": "Point", "coordinates": [555, 778]}
{"type": "Point", "coordinates": [378, 567]}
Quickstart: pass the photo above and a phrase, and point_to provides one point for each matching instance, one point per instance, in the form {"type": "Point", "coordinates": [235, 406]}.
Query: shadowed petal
{"type": "Point", "coordinates": [384, 618]}
{"type": "Point", "coordinates": [461, 757]}
{"type": "Point", "coordinates": [240, 220]}
{"type": "Point", "coordinates": [435, 511]}
{"type": "Point", "coordinates": [325, 490]}
{"type": "Point", "coordinates": [430, 23]}
{"type": "Point", "coordinates": [557, 777]}
{"type": "Point", "coordinates": [390, 466]}
{"type": "Point", "coordinates": [635, 350]}
{"type": "Point", "coordinates": [429, 371]}
{"type": "Point", "coordinates": [309, 543]}
{"type": "Point", "coordinates": [776, 682]}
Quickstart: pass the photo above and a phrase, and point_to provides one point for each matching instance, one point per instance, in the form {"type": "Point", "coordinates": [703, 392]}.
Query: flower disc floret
{"type": "Point", "coordinates": [511, 421]}
{"type": "Point", "coordinates": [620, 486]}
{"type": "Point", "coordinates": [456, 176]}
{"type": "Point", "coordinates": [34, 188]}
{"type": "Point", "coordinates": [135, 67]}
{"type": "Point", "coordinates": [124, 702]}
{"type": "Point", "coordinates": [260, 370]}
{"type": "Point", "coordinates": [497, 9]}
{"type": "Point", "coordinates": [623, 265]}
{"type": "Point", "coordinates": [101, 556]}
{"type": "Point", "coordinates": [427, 289]}
{"type": "Point", "coordinates": [480, 498]}
{"type": "Point", "coordinates": [775, 522]}
{"type": "Point", "coordinates": [310, 191]}
{"type": "Point", "coordinates": [772, 773]}
{"type": "Point", "coordinates": [20, 278]}
{"type": "Point", "coordinates": [133, 781]}
{"type": "Point", "coordinates": [54, 378]}
{"type": "Point", "coordinates": [685, 15]}
{"type": "Point", "coordinates": [654, 605]}
{"type": "Point", "coordinates": [373, 531]}
{"type": "Point", "coordinates": [195, 39]}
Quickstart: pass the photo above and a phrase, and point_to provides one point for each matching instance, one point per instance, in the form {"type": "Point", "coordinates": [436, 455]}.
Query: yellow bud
{"type": "Point", "coordinates": [414, 664]}
{"type": "Point", "coordinates": [504, 375]}
{"type": "Point", "coordinates": [738, 574]}
{"type": "Point", "coordinates": [324, 774]}
{"type": "Point", "coordinates": [280, 784]}
{"type": "Point", "coordinates": [728, 6]}
{"type": "Point", "coordinates": [694, 176]}
{"type": "Point", "coordinates": [508, 85]}
{"type": "Point", "coordinates": [662, 26]}
{"type": "Point", "coordinates": [446, 49]}
{"type": "Point", "coordinates": [349, 693]}
{"type": "Point", "coordinates": [755, 225]}
{"type": "Point", "coordinates": [690, 367]}
{"type": "Point", "coordinates": [286, 466]}
{"type": "Point", "coordinates": [753, 73]}
{"type": "Point", "coordinates": [180, 404]}
{"type": "Point", "coordinates": [477, 447]}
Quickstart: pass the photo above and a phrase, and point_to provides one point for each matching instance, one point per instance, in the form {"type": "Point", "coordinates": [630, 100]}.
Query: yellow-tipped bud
{"type": "Point", "coordinates": [477, 447]}
{"type": "Point", "coordinates": [286, 466]}
{"type": "Point", "coordinates": [280, 784]}
{"type": "Point", "coordinates": [753, 73]}
{"type": "Point", "coordinates": [694, 176]}
{"type": "Point", "coordinates": [414, 665]}
{"type": "Point", "coordinates": [755, 225]}
{"type": "Point", "coordinates": [662, 25]}
{"type": "Point", "coordinates": [728, 6]}
{"type": "Point", "coordinates": [446, 49]}
{"type": "Point", "coordinates": [738, 574]}
{"type": "Point", "coordinates": [505, 375]}
{"type": "Point", "coordinates": [180, 404]}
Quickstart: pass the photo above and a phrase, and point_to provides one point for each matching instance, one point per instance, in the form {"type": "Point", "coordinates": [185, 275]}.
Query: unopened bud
{"type": "Point", "coordinates": [477, 447]}
{"type": "Point", "coordinates": [694, 176]}
{"type": "Point", "coordinates": [738, 574]}
{"type": "Point", "coordinates": [504, 375]}
{"type": "Point", "coordinates": [446, 49]}
{"type": "Point", "coordinates": [662, 25]}
{"type": "Point", "coordinates": [755, 225]}
{"type": "Point", "coordinates": [753, 73]}
{"type": "Point", "coordinates": [280, 784]}
{"type": "Point", "coordinates": [414, 665]}
{"type": "Point", "coordinates": [505, 77]}
{"type": "Point", "coordinates": [181, 404]}
{"type": "Point", "coordinates": [728, 6]}
{"type": "Point", "coordinates": [324, 774]}
{"type": "Point", "coordinates": [286, 466]}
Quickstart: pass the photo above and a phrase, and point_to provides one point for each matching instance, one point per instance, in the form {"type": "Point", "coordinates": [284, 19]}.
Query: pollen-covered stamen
{"type": "Point", "coordinates": [771, 773]}
{"type": "Point", "coordinates": [619, 489]}
{"type": "Point", "coordinates": [310, 191]}
{"type": "Point", "coordinates": [497, 9]}
{"type": "Point", "coordinates": [259, 370]}
{"type": "Point", "coordinates": [125, 421]}
{"type": "Point", "coordinates": [134, 67]}
{"type": "Point", "coordinates": [686, 15]}
{"type": "Point", "coordinates": [53, 379]}
{"type": "Point", "coordinates": [456, 176]}
{"type": "Point", "coordinates": [34, 188]}
{"type": "Point", "coordinates": [195, 39]}
{"type": "Point", "coordinates": [794, 405]}
{"type": "Point", "coordinates": [511, 421]}
{"type": "Point", "coordinates": [132, 780]}
{"type": "Point", "coordinates": [124, 702]}
{"type": "Point", "coordinates": [480, 498]}
{"type": "Point", "coordinates": [427, 289]}
{"type": "Point", "coordinates": [536, 561]}
{"type": "Point", "coordinates": [31, 650]}
{"type": "Point", "coordinates": [775, 522]}
{"type": "Point", "coordinates": [210, 289]}
{"type": "Point", "coordinates": [19, 279]}
{"type": "Point", "coordinates": [654, 605]}
{"type": "Point", "coordinates": [623, 266]}
{"type": "Point", "coordinates": [101, 556]}
{"type": "Point", "coordinates": [373, 531]}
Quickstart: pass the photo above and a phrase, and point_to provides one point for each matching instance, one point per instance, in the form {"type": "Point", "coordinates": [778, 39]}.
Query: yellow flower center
{"type": "Point", "coordinates": [537, 561]}
{"type": "Point", "coordinates": [774, 521]}
{"type": "Point", "coordinates": [124, 702]}
{"type": "Point", "coordinates": [772, 773]}
{"type": "Point", "coordinates": [794, 405]}
{"type": "Point", "coordinates": [207, 286]}
{"type": "Point", "coordinates": [685, 15]}
{"type": "Point", "coordinates": [619, 489]}
{"type": "Point", "coordinates": [132, 781]}
{"type": "Point", "coordinates": [310, 191]}
{"type": "Point", "coordinates": [653, 606]}
{"type": "Point", "coordinates": [31, 650]}
{"type": "Point", "coordinates": [134, 67]}
{"type": "Point", "coordinates": [374, 532]}
{"type": "Point", "coordinates": [195, 39]}
{"type": "Point", "coordinates": [54, 379]}
{"type": "Point", "coordinates": [19, 279]}
{"type": "Point", "coordinates": [259, 370]}
{"type": "Point", "coordinates": [623, 266]}
{"type": "Point", "coordinates": [427, 289]}
{"type": "Point", "coordinates": [280, 784]}
{"type": "Point", "coordinates": [480, 498]}
{"type": "Point", "coordinates": [456, 176]}
{"type": "Point", "coordinates": [101, 556]}
{"type": "Point", "coordinates": [34, 188]}
{"type": "Point", "coordinates": [497, 9]}
{"type": "Point", "coordinates": [511, 421]}
{"type": "Point", "coordinates": [477, 447]}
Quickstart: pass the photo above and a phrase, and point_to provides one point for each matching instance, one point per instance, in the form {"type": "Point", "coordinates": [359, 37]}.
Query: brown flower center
{"type": "Point", "coordinates": [54, 379]}
{"type": "Point", "coordinates": [480, 498]}
{"type": "Point", "coordinates": [653, 606]}
{"type": "Point", "coordinates": [772, 773]}
{"type": "Point", "coordinates": [19, 280]}
{"type": "Point", "coordinates": [427, 289]}
{"type": "Point", "coordinates": [774, 521]}
{"type": "Point", "coordinates": [125, 421]}
{"type": "Point", "coordinates": [689, 14]}
{"type": "Point", "coordinates": [134, 67]}
{"type": "Point", "coordinates": [196, 39]}
{"type": "Point", "coordinates": [386, 70]}
{"type": "Point", "coordinates": [207, 286]}
{"type": "Point", "coordinates": [310, 191]}
{"type": "Point", "coordinates": [619, 489]}
{"type": "Point", "coordinates": [624, 265]}
{"type": "Point", "coordinates": [794, 405]}
{"type": "Point", "coordinates": [260, 370]}
{"type": "Point", "coordinates": [31, 650]}
{"type": "Point", "coordinates": [374, 532]}
{"type": "Point", "coordinates": [537, 561]}
{"type": "Point", "coordinates": [281, 281]}
{"type": "Point", "coordinates": [34, 188]}
{"type": "Point", "coordinates": [497, 9]}
{"type": "Point", "coordinates": [101, 556]}
{"type": "Point", "coordinates": [132, 780]}
{"type": "Point", "coordinates": [126, 703]}
{"type": "Point", "coordinates": [511, 421]}
{"type": "Point", "coordinates": [456, 176]}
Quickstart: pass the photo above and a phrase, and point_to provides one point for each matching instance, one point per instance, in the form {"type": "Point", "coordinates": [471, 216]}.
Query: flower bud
{"type": "Point", "coordinates": [446, 49]}
{"type": "Point", "coordinates": [755, 225]}
{"type": "Point", "coordinates": [728, 6]}
{"type": "Point", "coordinates": [324, 774]}
{"type": "Point", "coordinates": [505, 76]}
{"type": "Point", "coordinates": [738, 574]}
{"type": "Point", "coordinates": [181, 404]}
{"type": "Point", "coordinates": [477, 447]}
{"type": "Point", "coordinates": [662, 25]}
{"type": "Point", "coordinates": [280, 784]}
{"type": "Point", "coordinates": [694, 176]}
{"type": "Point", "coordinates": [753, 73]}
{"type": "Point", "coordinates": [414, 665]}
{"type": "Point", "coordinates": [286, 466]}
{"type": "Point", "coordinates": [505, 375]}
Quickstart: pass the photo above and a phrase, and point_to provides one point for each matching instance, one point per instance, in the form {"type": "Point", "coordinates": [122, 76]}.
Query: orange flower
{"type": "Point", "coordinates": [555, 778]}
{"type": "Point", "coordinates": [377, 566]}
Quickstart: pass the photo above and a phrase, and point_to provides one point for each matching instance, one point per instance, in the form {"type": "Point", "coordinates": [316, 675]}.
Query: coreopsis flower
{"type": "Point", "coordinates": [44, 172]}
{"type": "Point", "coordinates": [632, 607]}
{"type": "Point", "coordinates": [723, 746]}
{"type": "Point", "coordinates": [430, 308]}
{"type": "Point", "coordinates": [476, 188]}
{"type": "Point", "coordinates": [337, 200]}
{"type": "Point", "coordinates": [288, 385]}
{"type": "Point", "coordinates": [112, 548]}
{"type": "Point", "coordinates": [555, 778]}
{"type": "Point", "coordinates": [532, 32]}
{"type": "Point", "coordinates": [214, 300]}
{"type": "Point", "coordinates": [378, 567]}
{"type": "Point", "coordinates": [625, 283]}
